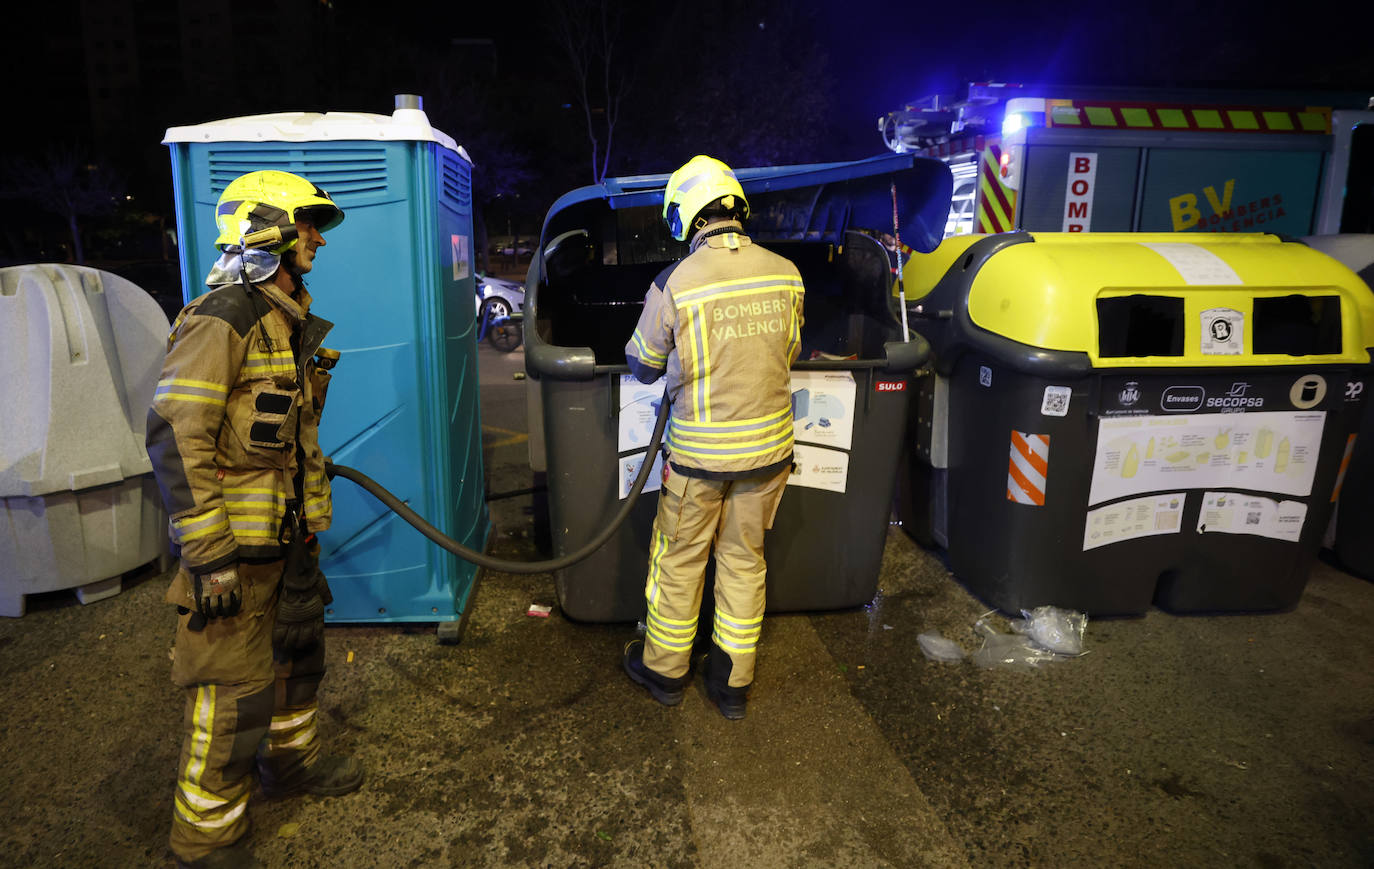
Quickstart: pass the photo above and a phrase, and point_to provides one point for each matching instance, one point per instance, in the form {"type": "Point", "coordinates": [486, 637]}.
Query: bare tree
{"type": "Point", "coordinates": [64, 183]}
{"type": "Point", "coordinates": [589, 32]}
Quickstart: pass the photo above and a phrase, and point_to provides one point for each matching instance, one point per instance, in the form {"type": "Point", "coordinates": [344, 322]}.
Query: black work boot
{"type": "Point", "coordinates": [664, 690]}
{"type": "Point", "coordinates": [235, 856]}
{"type": "Point", "coordinates": [730, 701]}
{"type": "Point", "coordinates": [331, 776]}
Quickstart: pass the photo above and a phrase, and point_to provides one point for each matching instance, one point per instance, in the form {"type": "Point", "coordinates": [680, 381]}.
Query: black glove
{"type": "Point", "coordinates": [217, 596]}
{"type": "Point", "coordinates": [300, 609]}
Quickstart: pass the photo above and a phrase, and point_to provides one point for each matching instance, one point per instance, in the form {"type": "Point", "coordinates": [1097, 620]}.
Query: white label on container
{"type": "Point", "coordinates": [1268, 451]}
{"type": "Point", "coordinates": [819, 468]}
{"type": "Point", "coordinates": [1195, 263]}
{"type": "Point", "coordinates": [1223, 332]}
{"type": "Point", "coordinates": [1139, 517]}
{"type": "Point", "coordinates": [638, 412]}
{"type": "Point", "coordinates": [629, 470]}
{"type": "Point", "coordinates": [1238, 513]}
{"type": "Point", "coordinates": [1056, 401]}
{"type": "Point", "coordinates": [823, 407]}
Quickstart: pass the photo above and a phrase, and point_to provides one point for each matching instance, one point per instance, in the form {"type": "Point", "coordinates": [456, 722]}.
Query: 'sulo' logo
{"type": "Point", "coordinates": [1182, 399]}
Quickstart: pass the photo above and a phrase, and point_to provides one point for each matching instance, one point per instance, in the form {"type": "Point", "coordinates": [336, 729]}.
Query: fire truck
{"type": "Point", "coordinates": [1063, 159]}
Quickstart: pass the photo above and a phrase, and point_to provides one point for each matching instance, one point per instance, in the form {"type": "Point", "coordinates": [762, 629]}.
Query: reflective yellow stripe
{"type": "Point", "coordinates": [703, 369]}
{"type": "Point", "coordinates": [747, 637]}
{"type": "Point", "coordinates": [734, 647]}
{"type": "Point", "coordinates": [199, 399]}
{"type": "Point", "coordinates": [279, 723]}
{"type": "Point", "coordinates": [261, 534]}
{"type": "Point", "coordinates": [704, 428]}
{"type": "Point", "coordinates": [743, 437]}
{"type": "Point", "coordinates": [676, 622]}
{"type": "Point", "coordinates": [669, 644]}
{"type": "Point", "coordinates": [707, 292]}
{"type": "Point", "coordinates": [228, 815]}
{"type": "Point", "coordinates": [743, 455]}
{"type": "Point", "coordinates": [660, 546]}
{"type": "Point", "coordinates": [645, 353]}
{"type": "Point", "coordinates": [198, 384]}
{"type": "Point", "coordinates": [735, 622]}
{"type": "Point", "coordinates": [202, 726]}
{"type": "Point", "coordinates": [752, 291]}
{"type": "Point", "coordinates": [196, 535]}
{"type": "Point", "coordinates": [776, 441]}
{"type": "Point", "coordinates": [251, 490]}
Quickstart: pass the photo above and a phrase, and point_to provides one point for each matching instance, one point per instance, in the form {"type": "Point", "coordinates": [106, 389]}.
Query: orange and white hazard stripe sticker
{"type": "Point", "coordinates": [1028, 468]}
{"type": "Point", "coordinates": [1345, 464]}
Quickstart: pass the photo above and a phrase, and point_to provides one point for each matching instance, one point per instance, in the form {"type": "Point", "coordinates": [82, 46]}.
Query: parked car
{"type": "Point", "coordinates": [498, 297]}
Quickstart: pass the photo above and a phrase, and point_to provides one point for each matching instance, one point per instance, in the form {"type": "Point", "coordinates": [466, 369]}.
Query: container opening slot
{"type": "Point", "coordinates": [586, 302]}
{"type": "Point", "coordinates": [1297, 325]}
{"type": "Point", "coordinates": [1140, 325]}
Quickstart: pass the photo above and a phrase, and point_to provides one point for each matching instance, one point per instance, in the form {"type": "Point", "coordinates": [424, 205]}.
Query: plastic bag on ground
{"type": "Point", "coordinates": [1060, 631]}
{"type": "Point", "coordinates": [939, 648]}
{"type": "Point", "coordinates": [1007, 650]}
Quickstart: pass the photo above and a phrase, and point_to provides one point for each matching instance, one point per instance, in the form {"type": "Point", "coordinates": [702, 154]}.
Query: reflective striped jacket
{"type": "Point", "coordinates": [223, 426]}
{"type": "Point", "coordinates": [724, 324]}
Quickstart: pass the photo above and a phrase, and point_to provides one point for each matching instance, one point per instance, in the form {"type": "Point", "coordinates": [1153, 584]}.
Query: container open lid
{"type": "Point", "coordinates": [408, 123]}
{"type": "Point", "coordinates": [812, 202]}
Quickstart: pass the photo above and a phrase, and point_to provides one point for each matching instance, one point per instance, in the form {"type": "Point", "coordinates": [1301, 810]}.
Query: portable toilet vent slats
{"type": "Point", "coordinates": [397, 279]}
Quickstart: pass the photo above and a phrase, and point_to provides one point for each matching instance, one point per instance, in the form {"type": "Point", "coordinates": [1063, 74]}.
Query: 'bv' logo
{"type": "Point", "coordinates": [1184, 212]}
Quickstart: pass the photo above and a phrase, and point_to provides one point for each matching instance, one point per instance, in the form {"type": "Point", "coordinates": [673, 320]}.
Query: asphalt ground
{"type": "Point", "coordinates": [1240, 740]}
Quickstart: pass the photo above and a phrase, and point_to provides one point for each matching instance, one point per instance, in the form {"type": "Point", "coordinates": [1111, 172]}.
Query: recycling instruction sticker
{"type": "Point", "coordinates": [1223, 332]}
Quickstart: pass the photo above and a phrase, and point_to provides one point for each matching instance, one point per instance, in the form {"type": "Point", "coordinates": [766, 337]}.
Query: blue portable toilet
{"type": "Point", "coordinates": [397, 279]}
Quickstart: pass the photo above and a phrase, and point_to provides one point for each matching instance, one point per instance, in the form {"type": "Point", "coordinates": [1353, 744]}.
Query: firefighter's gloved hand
{"type": "Point", "coordinates": [300, 609]}
{"type": "Point", "coordinates": [217, 596]}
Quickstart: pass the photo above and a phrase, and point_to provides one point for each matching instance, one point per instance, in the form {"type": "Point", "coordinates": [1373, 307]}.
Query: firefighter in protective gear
{"type": "Point", "coordinates": [233, 436]}
{"type": "Point", "coordinates": [724, 325]}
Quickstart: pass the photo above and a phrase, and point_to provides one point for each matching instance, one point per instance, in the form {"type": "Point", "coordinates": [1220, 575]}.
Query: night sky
{"type": "Point", "coordinates": [756, 81]}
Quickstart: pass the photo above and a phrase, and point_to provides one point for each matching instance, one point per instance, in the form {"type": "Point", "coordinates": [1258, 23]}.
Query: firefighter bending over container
{"type": "Point", "coordinates": [724, 324]}
{"type": "Point", "coordinates": [234, 438]}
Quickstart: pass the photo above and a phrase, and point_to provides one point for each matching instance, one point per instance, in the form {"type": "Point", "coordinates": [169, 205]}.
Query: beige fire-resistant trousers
{"type": "Point", "coordinates": [693, 515]}
{"type": "Point", "coordinates": [242, 709]}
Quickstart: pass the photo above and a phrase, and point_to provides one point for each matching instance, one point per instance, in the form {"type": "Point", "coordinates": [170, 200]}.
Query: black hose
{"type": "Point", "coordinates": [516, 493]}
{"type": "Point", "coordinates": [482, 559]}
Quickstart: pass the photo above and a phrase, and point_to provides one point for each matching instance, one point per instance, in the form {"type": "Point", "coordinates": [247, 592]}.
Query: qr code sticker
{"type": "Point", "coordinates": [1252, 518]}
{"type": "Point", "coordinates": [1056, 402]}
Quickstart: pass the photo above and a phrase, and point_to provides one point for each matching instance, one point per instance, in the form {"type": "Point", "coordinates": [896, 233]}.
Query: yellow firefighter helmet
{"type": "Point", "coordinates": [701, 181]}
{"type": "Point", "coordinates": [260, 210]}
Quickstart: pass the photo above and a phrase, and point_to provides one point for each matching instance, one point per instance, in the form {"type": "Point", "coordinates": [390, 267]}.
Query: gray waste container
{"type": "Point", "coordinates": [601, 248]}
{"type": "Point", "coordinates": [81, 352]}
